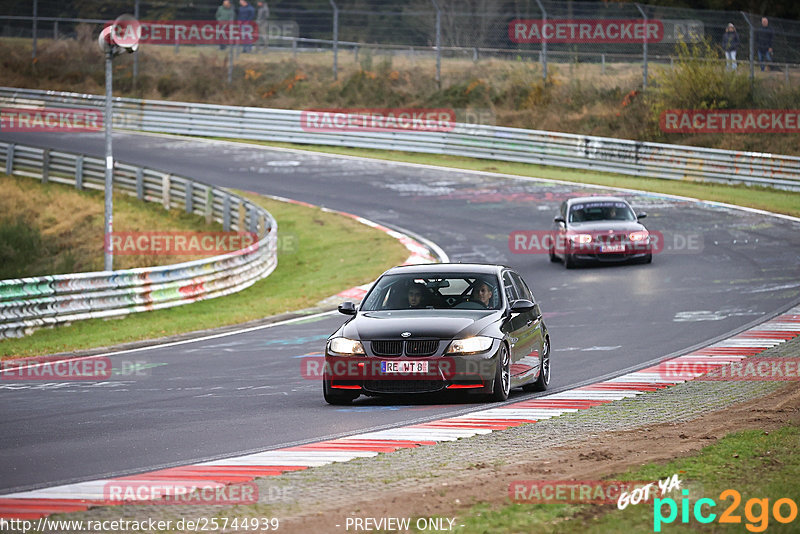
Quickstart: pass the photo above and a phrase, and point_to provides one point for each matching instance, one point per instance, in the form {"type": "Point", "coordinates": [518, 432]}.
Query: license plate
{"type": "Point", "coordinates": [404, 367]}
{"type": "Point", "coordinates": [613, 248]}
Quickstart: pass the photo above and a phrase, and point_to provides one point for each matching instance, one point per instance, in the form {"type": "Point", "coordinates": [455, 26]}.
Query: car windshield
{"type": "Point", "coordinates": [434, 291]}
{"type": "Point", "coordinates": [601, 211]}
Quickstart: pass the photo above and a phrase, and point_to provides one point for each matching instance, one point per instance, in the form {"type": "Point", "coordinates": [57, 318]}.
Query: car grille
{"type": "Point", "coordinates": [413, 347]}
{"type": "Point", "coordinates": [387, 348]}
{"type": "Point", "coordinates": [421, 347]}
{"type": "Point", "coordinates": [403, 386]}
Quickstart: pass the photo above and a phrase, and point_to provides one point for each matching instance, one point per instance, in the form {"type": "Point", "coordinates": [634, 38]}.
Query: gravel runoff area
{"type": "Point", "coordinates": [323, 496]}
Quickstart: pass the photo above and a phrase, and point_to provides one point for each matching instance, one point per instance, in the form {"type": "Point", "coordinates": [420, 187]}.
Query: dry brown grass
{"type": "Point", "coordinates": [584, 98]}
{"type": "Point", "coordinates": [70, 226]}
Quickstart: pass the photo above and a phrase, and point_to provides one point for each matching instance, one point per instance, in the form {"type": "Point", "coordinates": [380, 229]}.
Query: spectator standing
{"type": "Point", "coordinates": [764, 43]}
{"type": "Point", "coordinates": [730, 42]}
{"type": "Point", "coordinates": [262, 18]}
{"type": "Point", "coordinates": [225, 15]}
{"type": "Point", "coordinates": [246, 14]}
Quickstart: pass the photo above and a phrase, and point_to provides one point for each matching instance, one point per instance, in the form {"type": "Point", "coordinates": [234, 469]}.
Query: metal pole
{"type": "Point", "coordinates": [230, 64]}
{"type": "Point", "coordinates": [335, 39]}
{"type": "Point", "coordinates": [752, 49]}
{"type": "Point", "coordinates": [644, 47]}
{"type": "Point", "coordinates": [35, 20]}
{"type": "Point", "coordinates": [438, 42]}
{"type": "Point", "coordinates": [544, 42]}
{"type": "Point", "coordinates": [135, 54]}
{"type": "Point", "coordinates": [109, 216]}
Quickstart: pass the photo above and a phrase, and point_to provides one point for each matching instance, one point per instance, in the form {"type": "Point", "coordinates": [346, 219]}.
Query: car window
{"type": "Point", "coordinates": [434, 291]}
{"type": "Point", "coordinates": [522, 288]}
{"type": "Point", "coordinates": [601, 211]}
{"type": "Point", "coordinates": [508, 286]}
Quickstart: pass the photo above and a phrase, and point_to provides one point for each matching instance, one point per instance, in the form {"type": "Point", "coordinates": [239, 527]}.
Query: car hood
{"type": "Point", "coordinates": [604, 226]}
{"type": "Point", "coordinates": [439, 324]}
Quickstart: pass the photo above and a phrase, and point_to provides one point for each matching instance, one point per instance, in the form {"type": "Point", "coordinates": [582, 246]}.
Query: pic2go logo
{"type": "Point", "coordinates": [756, 511]}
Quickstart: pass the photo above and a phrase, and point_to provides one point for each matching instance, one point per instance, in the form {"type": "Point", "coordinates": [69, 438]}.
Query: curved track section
{"type": "Point", "coordinates": [212, 398]}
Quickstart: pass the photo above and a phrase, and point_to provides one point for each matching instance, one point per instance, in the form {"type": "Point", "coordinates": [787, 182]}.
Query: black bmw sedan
{"type": "Point", "coordinates": [599, 229]}
{"type": "Point", "coordinates": [439, 327]}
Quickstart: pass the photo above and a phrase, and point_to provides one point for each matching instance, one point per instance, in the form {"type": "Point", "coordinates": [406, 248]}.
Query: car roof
{"type": "Point", "coordinates": [427, 268]}
{"type": "Point", "coordinates": [606, 198]}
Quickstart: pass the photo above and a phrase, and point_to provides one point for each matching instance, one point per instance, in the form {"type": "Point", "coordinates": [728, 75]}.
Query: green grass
{"type": "Point", "coordinates": [327, 253]}
{"type": "Point", "coordinates": [757, 464]}
{"type": "Point", "coordinates": [764, 198]}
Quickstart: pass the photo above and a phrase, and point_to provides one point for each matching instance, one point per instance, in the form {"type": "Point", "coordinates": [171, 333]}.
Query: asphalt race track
{"type": "Point", "coordinates": [217, 397]}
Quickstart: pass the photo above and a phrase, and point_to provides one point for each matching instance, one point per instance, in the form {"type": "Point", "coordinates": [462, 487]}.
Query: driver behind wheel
{"type": "Point", "coordinates": [416, 295]}
{"type": "Point", "coordinates": [482, 293]}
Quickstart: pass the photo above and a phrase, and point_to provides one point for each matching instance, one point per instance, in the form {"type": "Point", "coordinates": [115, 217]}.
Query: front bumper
{"type": "Point", "coordinates": [470, 373]}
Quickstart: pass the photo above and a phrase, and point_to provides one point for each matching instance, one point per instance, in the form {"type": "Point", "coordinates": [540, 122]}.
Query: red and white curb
{"type": "Point", "coordinates": [219, 473]}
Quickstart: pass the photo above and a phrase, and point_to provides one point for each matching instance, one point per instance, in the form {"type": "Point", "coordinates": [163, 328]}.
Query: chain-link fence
{"type": "Point", "coordinates": [437, 36]}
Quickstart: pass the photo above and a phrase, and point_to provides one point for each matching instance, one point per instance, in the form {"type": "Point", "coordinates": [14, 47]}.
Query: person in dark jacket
{"type": "Point", "coordinates": [764, 43]}
{"type": "Point", "coordinates": [246, 14]}
{"type": "Point", "coordinates": [730, 42]}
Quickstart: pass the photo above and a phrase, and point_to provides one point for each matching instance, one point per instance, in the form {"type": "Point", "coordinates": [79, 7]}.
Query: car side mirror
{"type": "Point", "coordinates": [521, 306]}
{"type": "Point", "coordinates": [347, 308]}
{"type": "Point", "coordinates": [641, 215]}
{"type": "Point", "coordinates": [559, 220]}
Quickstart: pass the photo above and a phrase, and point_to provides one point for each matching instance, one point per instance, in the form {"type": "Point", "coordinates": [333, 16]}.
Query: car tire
{"type": "Point", "coordinates": [569, 261]}
{"type": "Point", "coordinates": [336, 398]}
{"type": "Point", "coordinates": [502, 375]}
{"type": "Point", "coordinates": [648, 259]}
{"type": "Point", "coordinates": [553, 257]}
{"type": "Point", "coordinates": [543, 381]}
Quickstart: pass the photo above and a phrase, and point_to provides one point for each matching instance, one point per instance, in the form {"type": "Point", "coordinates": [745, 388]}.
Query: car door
{"type": "Point", "coordinates": [517, 326]}
{"type": "Point", "coordinates": [529, 363]}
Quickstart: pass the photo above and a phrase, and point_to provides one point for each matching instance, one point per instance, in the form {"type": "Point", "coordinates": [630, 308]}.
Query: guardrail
{"type": "Point", "coordinates": [29, 303]}
{"type": "Point", "coordinates": [675, 162]}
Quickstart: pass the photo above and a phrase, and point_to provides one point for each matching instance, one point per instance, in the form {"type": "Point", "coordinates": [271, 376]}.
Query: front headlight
{"type": "Point", "coordinates": [470, 345]}
{"type": "Point", "coordinates": [639, 236]}
{"type": "Point", "coordinates": [344, 346]}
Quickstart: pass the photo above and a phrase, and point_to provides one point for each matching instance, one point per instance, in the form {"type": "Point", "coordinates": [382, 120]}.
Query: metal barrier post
{"type": "Point", "coordinates": [189, 201]}
{"type": "Point", "coordinates": [335, 39]}
{"type": "Point", "coordinates": [166, 183]}
{"type": "Point", "coordinates": [79, 173]}
{"type": "Point", "coordinates": [10, 159]}
{"type": "Point", "coordinates": [45, 165]}
{"type": "Point", "coordinates": [543, 54]}
{"type": "Point", "coordinates": [209, 207]}
{"type": "Point", "coordinates": [139, 183]}
{"type": "Point", "coordinates": [226, 213]}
